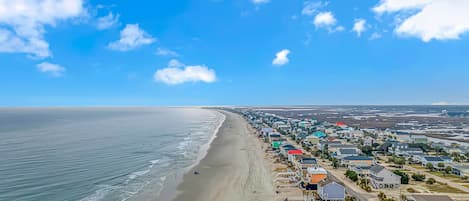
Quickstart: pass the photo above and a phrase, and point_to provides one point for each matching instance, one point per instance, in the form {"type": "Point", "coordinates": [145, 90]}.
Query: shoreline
{"type": "Point", "coordinates": [233, 167]}
{"type": "Point", "coordinates": [169, 192]}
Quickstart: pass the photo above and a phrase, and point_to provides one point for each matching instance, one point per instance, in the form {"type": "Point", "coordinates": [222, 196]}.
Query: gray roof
{"type": "Point", "coordinates": [333, 191]}
{"type": "Point", "coordinates": [308, 161]}
{"type": "Point", "coordinates": [357, 158]}
{"type": "Point", "coordinates": [348, 151]}
{"type": "Point", "coordinates": [376, 168]}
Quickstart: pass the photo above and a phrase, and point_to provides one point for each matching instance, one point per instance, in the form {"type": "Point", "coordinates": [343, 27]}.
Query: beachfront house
{"type": "Point", "coordinates": [314, 176]}
{"type": "Point", "coordinates": [331, 192]}
{"type": "Point", "coordinates": [356, 161]}
{"type": "Point", "coordinates": [293, 154]}
{"type": "Point", "coordinates": [305, 163]}
{"type": "Point", "coordinates": [382, 178]}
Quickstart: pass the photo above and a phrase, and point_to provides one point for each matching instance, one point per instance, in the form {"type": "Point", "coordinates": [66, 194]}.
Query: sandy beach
{"type": "Point", "coordinates": [233, 169]}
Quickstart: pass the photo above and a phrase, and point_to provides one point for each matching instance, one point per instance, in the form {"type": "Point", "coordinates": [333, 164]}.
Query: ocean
{"type": "Point", "coordinates": [100, 154]}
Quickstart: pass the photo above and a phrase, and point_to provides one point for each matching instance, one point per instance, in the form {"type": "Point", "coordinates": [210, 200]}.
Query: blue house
{"type": "Point", "coordinates": [319, 134]}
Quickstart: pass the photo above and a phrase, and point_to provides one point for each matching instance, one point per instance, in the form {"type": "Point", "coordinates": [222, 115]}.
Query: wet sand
{"type": "Point", "coordinates": [234, 168]}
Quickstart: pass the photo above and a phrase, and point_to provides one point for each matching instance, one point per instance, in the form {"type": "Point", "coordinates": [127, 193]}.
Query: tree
{"type": "Point", "coordinates": [418, 177]}
{"type": "Point", "coordinates": [381, 196]}
{"type": "Point", "coordinates": [441, 165]}
{"type": "Point", "coordinates": [448, 169]}
{"type": "Point", "coordinates": [351, 175]}
{"type": "Point", "coordinates": [404, 176]}
{"type": "Point", "coordinates": [430, 181]}
{"type": "Point", "coordinates": [367, 150]}
{"type": "Point", "coordinates": [429, 166]}
{"type": "Point", "coordinates": [350, 198]}
{"type": "Point", "coordinates": [335, 163]}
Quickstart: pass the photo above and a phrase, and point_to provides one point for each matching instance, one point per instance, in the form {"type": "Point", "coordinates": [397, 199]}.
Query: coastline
{"type": "Point", "coordinates": [168, 191]}
{"type": "Point", "coordinates": [233, 167]}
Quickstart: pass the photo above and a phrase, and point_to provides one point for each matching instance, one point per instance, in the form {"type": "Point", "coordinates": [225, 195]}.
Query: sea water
{"type": "Point", "coordinates": [91, 154]}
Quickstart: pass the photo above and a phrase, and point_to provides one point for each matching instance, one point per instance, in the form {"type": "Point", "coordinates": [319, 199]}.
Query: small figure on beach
{"type": "Point", "coordinates": [196, 172]}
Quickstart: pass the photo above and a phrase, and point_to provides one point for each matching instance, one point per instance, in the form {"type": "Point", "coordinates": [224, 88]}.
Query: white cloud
{"type": "Point", "coordinates": [310, 7]}
{"type": "Point", "coordinates": [52, 69]}
{"type": "Point", "coordinates": [324, 19]}
{"type": "Point", "coordinates": [131, 37]}
{"type": "Point", "coordinates": [166, 52]}
{"type": "Point", "coordinates": [260, 1]}
{"type": "Point", "coordinates": [23, 23]}
{"type": "Point", "coordinates": [428, 19]}
{"type": "Point", "coordinates": [327, 21]}
{"type": "Point", "coordinates": [281, 58]}
{"type": "Point", "coordinates": [359, 26]}
{"type": "Point", "coordinates": [375, 35]}
{"type": "Point", "coordinates": [179, 73]}
{"type": "Point", "coordinates": [107, 21]}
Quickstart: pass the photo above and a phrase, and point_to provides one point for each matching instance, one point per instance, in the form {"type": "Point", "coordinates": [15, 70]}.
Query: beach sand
{"type": "Point", "coordinates": [234, 168]}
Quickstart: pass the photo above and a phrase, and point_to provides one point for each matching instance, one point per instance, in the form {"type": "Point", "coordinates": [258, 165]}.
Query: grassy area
{"type": "Point", "coordinates": [417, 166]}
{"type": "Point", "coordinates": [443, 188]}
{"type": "Point", "coordinates": [466, 185]}
{"type": "Point", "coordinates": [444, 175]}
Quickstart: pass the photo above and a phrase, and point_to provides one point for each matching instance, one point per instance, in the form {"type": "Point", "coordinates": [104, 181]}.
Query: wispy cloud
{"type": "Point", "coordinates": [428, 19]}
{"type": "Point", "coordinates": [312, 7]}
{"type": "Point", "coordinates": [260, 1]}
{"type": "Point", "coordinates": [179, 73]}
{"type": "Point", "coordinates": [52, 69]}
{"type": "Point", "coordinates": [26, 22]}
{"type": "Point", "coordinates": [166, 52]}
{"type": "Point", "coordinates": [107, 21]}
{"type": "Point", "coordinates": [131, 37]}
{"type": "Point", "coordinates": [281, 58]}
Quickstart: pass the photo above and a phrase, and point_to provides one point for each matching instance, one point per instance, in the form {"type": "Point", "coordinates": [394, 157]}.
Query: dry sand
{"type": "Point", "coordinates": [234, 168]}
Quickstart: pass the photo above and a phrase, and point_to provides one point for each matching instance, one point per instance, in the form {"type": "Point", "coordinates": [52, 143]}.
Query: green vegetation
{"type": "Point", "coordinates": [351, 175]}
{"type": "Point", "coordinates": [383, 197]}
{"type": "Point", "coordinates": [404, 176]}
{"type": "Point", "coordinates": [430, 181]}
{"type": "Point", "coordinates": [350, 198]}
{"type": "Point", "coordinates": [367, 150]}
{"type": "Point", "coordinates": [441, 165]}
{"type": "Point", "coordinates": [397, 160]}
{"type": "Point", "coordinates": [429, 166]}
{"type": "Point", "coordinates": [443, 188]}
{"type": "Point", "coordinates": [448, 169]}
{"type": "Point", "coordinates": [418, 177]}
{"type": "Point", "coordinates": [364, 183]}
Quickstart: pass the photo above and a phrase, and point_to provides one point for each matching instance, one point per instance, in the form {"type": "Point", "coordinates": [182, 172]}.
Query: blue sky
{"type": "Point", "coordinates": [239, 52]}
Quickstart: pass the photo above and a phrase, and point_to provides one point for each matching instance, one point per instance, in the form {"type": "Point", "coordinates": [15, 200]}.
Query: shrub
{"type": "Point", "coordinates": [411, 190]}
{"type": "Point", "coordinates": [430, 181]}
{"type": "Point", "coordinates": [351, 175]}
{"type": "Point", "coordinates": [404, 176]}
{"type": "Point", "coordinates": [418, 177]}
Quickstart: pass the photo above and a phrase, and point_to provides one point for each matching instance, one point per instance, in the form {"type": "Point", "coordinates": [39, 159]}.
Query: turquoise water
{"type": "Point", "coordinates": [89, 154]}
